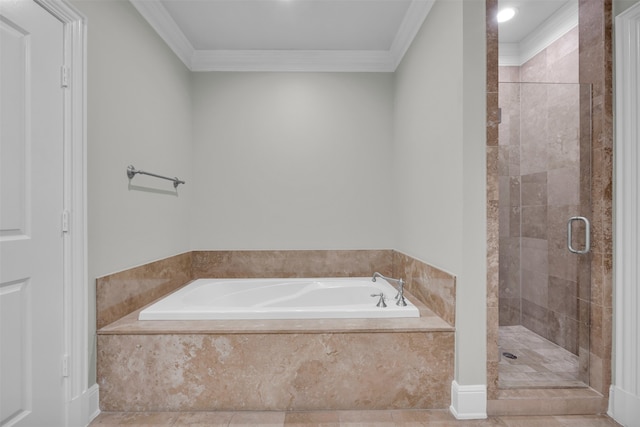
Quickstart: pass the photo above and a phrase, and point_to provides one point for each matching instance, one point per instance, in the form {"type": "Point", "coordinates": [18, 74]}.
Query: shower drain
{"type": "Point", "coordinates": [509, 355]}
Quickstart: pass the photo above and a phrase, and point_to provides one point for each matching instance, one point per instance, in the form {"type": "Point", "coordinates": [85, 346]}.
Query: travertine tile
{"type": "Point", "coordinates": [264, 419]}
{"type": "Point", "coordinates": [564, 46]}
{"type": "Point", "coordinates": [539, 363]}
{"type": "Point", "coordinates": [530, 421]}
{"type": "Point", "coordinates": [492, 120]}
{"type": "Point", "coordinates": [411, 418]}
{"type": "Point", "coordinates": [563, 296]}
{"type": "Point", "coordinates": [434, 287]}
{"type": "Point", "coordinates": [426, 417]}
{"type": "Point", "coordinates": [493, 140]}
{"type": "Point", "coordinates": [312, 419]}
{"type": "Point", "coordinates": [508, 74]}
{"type": "Point", "coordinates": [534, 222]}
{"type": "Point", "coordinates": [135, 419]}
{"type": "Point", "coordinates": [534, 189]}
{"type": "Point", "coordinates": [586, 420]}
{"type": "Point", "coordinates": [564, 186]}
{"type": "Point", "coordinates": [535, 286]}
{"type": "Point", "coordinates": [201, 419]}
{"type": "Point", "coordinates": [121, 293]}
{"type": "Point", "coordinates": [310, 263]}
{"type": "Point", "coordinates": [595, 67]}
{"type": "Point", "coordinates": [275, 371]}
{"type": "Point", "coordinates": [366, 418]}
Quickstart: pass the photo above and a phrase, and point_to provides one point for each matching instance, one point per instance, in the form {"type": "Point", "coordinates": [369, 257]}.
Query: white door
{"type": "Point", "coordinates": [31, 203]}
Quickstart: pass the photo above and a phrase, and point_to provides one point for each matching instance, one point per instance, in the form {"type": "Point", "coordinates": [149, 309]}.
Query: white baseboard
{"type": "Point", "coordinates": [624, 407]}
{"type": "Point", "coordinates": [468, 402]}
{"type": "Point", "coordinates": [84, 408]}
{"type": "Point", "coordinates": [93, 402]}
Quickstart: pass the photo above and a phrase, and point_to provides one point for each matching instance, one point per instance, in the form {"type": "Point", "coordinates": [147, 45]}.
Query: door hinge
{"type": "Point", "coordinates": [65, 365]}
{"type": "Point", "coordinates": [65, 221]}
{"type": "Point", "coordinates": [64, 76]}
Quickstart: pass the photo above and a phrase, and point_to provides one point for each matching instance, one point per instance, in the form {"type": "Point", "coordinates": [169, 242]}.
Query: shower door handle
{"type": "Point", "coordinates": [587, 235]}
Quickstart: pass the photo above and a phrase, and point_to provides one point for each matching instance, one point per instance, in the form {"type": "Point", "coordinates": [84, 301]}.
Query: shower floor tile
{"type": "Point", "coordinates": [539, 364]}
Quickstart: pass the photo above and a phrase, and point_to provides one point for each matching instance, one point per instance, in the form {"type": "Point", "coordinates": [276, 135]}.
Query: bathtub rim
{"type": "Point", "coordinates": [272, 312]}
{"type": "Point", "coordinates": [428, 321]}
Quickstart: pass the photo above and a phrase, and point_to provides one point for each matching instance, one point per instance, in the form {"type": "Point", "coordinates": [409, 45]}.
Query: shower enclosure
{"type": "Point", "coordinates": [545, 183]}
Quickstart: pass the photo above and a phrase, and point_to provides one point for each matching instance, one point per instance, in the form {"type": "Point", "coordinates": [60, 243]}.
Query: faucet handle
{"type": "Point", "coordinates": [381, 302]}
{"type": "Point", "coordinates": [401, 301]}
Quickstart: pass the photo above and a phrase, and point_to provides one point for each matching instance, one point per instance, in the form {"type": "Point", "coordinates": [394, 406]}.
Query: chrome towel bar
{"type": "Point", "coordinates": [131, 172]}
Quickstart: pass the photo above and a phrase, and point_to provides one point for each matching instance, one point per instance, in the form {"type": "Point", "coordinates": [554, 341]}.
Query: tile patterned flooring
{"type": "Point", "coordinates": [395, 418]}
{"type": "Point", "coordinates": [540, 362]}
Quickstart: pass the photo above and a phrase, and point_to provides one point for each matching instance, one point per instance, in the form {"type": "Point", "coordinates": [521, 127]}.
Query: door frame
{"type": "Point", "coordinates": [624, 397]}
{"type": "Point", "coordinates": [81, 401]}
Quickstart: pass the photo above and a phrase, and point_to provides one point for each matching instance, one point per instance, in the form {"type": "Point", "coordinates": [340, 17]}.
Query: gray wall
{"type": "Point", "coordinates": [440, 165]}
{"type": "Point", "coordinates": [292, 161]}
{"type": "Point", "coordinates": [428, 141]}
{"type": "Point", "coordinates": [139, 112]}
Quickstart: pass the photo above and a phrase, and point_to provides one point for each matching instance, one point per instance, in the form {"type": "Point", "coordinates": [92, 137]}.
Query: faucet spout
{"type": "Point", "coordinates": [400, 295]}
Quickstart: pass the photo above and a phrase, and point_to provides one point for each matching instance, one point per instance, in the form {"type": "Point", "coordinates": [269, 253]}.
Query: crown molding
{"type": "Point", "coordinates": [509, 54]}
{"type": "Point", "coordinates": [285, 60]}
{"type": "Point", "coordinates": [162, 22]}
{"type": "Point", "coordinates": [413, 19]}
{"type": "Point", "coordinates": [559, 24]}
{"type": "Point", "coordinates": [289, 60]}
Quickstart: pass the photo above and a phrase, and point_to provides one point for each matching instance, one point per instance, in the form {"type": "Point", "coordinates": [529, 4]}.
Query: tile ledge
{"type": "Point", "coordinates": [427, 322]}
{"type": "Point", "coordinates": [541, 393]}
{"type": "Point", "coordinates": [130, 325]}
{"type": "Point", "coordinates": [528, 402]}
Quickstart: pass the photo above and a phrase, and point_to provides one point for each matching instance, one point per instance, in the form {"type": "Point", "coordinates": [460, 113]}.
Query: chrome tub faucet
{"type": "Point", "coordinates": [400, 295]}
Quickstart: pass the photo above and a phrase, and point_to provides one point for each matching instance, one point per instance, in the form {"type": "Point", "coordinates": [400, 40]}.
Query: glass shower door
{"type": "Point", "coordinates": [545, 187]}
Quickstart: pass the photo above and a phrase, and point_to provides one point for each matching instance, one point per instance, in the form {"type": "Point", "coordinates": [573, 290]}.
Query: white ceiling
{"type": "Point", "coordinates": [530, 15]}
{"type": "Point", "coordinates": [326, 35]}
{"type": "Point", "coordinates": [281, 24]}
{"type": "Point", "coordinates": [537, 24]}
{"type": "Point", "coordinates": [287, 35]}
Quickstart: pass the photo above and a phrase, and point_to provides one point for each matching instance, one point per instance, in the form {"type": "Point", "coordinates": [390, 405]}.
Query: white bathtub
{"type": "Point", "coordinates": [317, 298]}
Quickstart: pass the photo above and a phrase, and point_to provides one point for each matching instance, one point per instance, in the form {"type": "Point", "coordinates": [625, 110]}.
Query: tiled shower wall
{"type": "Point", "coordinates": [539, 179]}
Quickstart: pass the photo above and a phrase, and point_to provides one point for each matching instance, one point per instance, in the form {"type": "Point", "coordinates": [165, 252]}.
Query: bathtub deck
{"type": "Point", "coordinates": [427, 322]}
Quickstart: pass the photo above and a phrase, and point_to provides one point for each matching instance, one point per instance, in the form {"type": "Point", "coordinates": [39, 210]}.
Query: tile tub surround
{"type": "Point", "coordinates": [121, 293]}
{"type": "Point", "coordinates": [309, 263]}
{"type": "Point", "coordinates": [276, 365]}
{"type": "Point", "coordinates": [199, 372]}
{"type": "Point", "coordinates": [434, 287]}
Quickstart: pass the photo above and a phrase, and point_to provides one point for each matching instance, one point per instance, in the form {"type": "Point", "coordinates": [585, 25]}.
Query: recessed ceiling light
{"type": "Point", "coordinates": [506, 14]}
